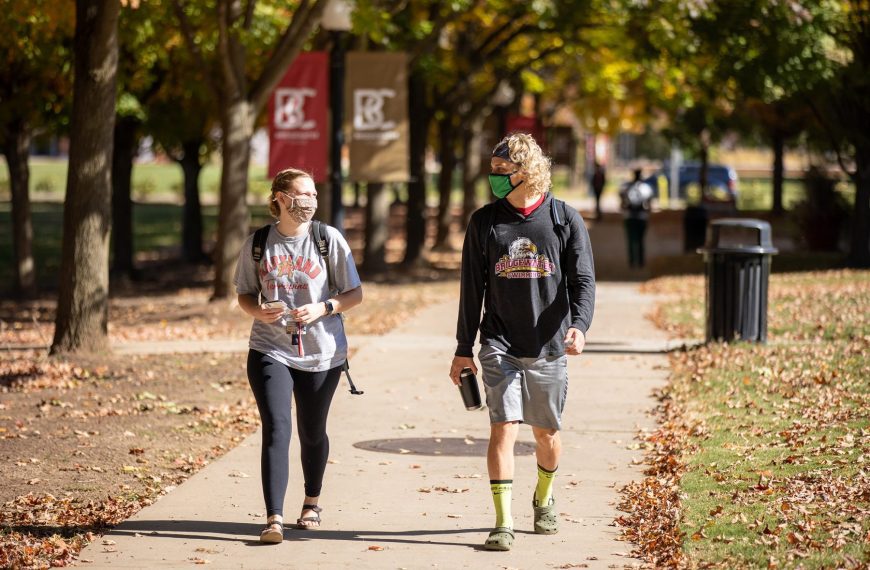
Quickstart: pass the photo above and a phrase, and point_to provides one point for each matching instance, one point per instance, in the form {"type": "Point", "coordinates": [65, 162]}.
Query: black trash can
{"type": "Point", "coordinates": [694, 227]}
{"type": "Point", "coordinates": [737, 258]}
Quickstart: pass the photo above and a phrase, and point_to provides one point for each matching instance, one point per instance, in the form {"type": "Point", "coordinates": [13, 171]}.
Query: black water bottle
{"type": "Point", "coordinates": [468, 389]}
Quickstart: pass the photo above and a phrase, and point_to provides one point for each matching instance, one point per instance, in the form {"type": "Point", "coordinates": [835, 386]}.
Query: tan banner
{"type": "Point", "coordinates": [377, 110]}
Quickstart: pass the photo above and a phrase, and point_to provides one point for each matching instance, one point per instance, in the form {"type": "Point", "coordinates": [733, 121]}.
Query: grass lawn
{"type": "Point", "coordinates": [48, 177]}
{"type": "Point", "coordinates": [150, 181]}
{"type": "Point", "coordinates": [775, 458]}
{"type": "Point", "coordinates": [757, 193]}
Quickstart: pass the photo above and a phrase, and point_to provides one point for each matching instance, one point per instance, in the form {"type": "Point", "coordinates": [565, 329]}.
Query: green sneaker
{"type": "Point", "coordinates": [546, 521]}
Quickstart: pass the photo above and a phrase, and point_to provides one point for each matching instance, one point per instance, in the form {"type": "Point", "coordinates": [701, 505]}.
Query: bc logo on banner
{"type": "Point", "coordinates": [290, 109]}
{"type": "Point", "coordinates": [368, 106]}
{"type": "Point", "coordinates": [378, 103]}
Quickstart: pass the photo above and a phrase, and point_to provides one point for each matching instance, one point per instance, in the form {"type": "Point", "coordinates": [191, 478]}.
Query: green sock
{"type": "Point", "coordinates": [544, 490]}
{"type": "Point", "coordinates": [501, 497]}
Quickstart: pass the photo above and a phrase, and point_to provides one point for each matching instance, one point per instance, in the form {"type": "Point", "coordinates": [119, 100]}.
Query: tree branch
{"type": "Point", "coordinates": [493, 35]}
{"type": "Point", "coordinates": [500, 75]}
{"type": "Point", "coordinates": [429, 44]}
{"type": "Point", "coordinates": [249, 14]}
{"type": "Point", "coordinates": [506, 41]}
{"type": "Point", "coordinates": [305, 19]}
{"type": "Point", "coordinates": [188, 34]}
{"type": "Point", "coordinates": [232, 85]}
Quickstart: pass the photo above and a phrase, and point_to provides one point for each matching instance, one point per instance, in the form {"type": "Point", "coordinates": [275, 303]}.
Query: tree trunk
{"type": "Point", "coordinates": [415, 218]}
{"type": "Point", "coordinates": [126, 141]}
{"type": "Point", "coordinates": [778, 170]}
{"type": "Point", "coordinates": [377, 227]}
{"type": "Point", "coordinates": [16, 149]}
{"type": "Point", "coordinates": [859, 242]}
{"type": "Point", "coordinates": [447, 134]}
{"type": "Point", "coordinates": [82, 308]}
{"type": "Point", "coordinates": [191, 226]}
{"type": "Point", "coordinates": [471, 166]}
{"type": "Point", "coordinates": [233, 215]}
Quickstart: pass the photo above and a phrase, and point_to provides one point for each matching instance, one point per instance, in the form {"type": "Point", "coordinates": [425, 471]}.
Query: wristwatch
{"type": "Point", "coordinates": [329, 307]}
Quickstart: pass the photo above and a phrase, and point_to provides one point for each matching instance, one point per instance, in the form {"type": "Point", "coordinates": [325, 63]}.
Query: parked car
{"type": "Point", "coordinates": [721, 182]}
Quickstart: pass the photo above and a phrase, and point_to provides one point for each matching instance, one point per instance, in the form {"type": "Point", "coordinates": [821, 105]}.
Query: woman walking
{"type": "Point", "coordinates": [297, 347]}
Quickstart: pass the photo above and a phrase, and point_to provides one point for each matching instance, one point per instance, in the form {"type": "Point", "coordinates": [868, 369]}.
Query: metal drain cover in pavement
{"type": "Point", "coordinates": [464, 447]}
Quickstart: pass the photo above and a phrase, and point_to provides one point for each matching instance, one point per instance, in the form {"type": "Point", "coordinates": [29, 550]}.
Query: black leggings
{"type": "Point", "coordinates": [272, 384]}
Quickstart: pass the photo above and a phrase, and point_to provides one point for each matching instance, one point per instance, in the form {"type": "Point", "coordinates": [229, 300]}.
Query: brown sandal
{"type": "Point", "coordinates": [300, 522]}
{"type": "Point", "coordinates": [273, 533]}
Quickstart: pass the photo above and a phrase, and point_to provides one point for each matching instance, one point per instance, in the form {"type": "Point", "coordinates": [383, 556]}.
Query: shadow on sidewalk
{"type": "Point", "coordinates": [245, 533]}
{"type": "Point", "coordinates": [593, 347]}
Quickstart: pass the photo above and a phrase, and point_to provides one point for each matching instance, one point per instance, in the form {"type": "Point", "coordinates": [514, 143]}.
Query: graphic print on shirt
{"type": "Point", "coordinates": [278, 271]}
{"type": "Point", "coordinates": [523, 262]}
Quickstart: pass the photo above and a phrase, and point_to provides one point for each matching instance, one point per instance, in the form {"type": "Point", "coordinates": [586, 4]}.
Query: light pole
{"type": "Point", "coordinates": [336, 19]}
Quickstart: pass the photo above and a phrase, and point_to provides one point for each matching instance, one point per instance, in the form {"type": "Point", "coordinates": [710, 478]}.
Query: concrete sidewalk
{"type": "Point", "coordinates": [406, 510]}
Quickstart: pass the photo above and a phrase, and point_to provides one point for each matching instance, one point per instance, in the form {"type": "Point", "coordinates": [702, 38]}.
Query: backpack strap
{"type": "Point", "coordinates": [559, 212]}
{"type": "Point", "coordinates": [258, 246]}
{"type": "Point", "coordinates": [318, 231]}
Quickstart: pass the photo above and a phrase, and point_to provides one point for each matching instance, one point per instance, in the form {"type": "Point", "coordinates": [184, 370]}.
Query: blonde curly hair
{"type": "Point", "coordinates": [525, 152]}
{"type": "Point", "coordinates": [283, 183]}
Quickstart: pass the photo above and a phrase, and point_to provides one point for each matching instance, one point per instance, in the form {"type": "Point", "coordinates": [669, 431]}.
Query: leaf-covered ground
{"type": "Point", "coordinates": [85, 442]}
{"type": "Point", "coordinates": [762, 457]}
{"type": "Point", "coordinates": [188, 315]}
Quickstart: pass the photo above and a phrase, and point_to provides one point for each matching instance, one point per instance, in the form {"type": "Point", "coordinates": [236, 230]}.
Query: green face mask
{"type": "Point", "coordinates": [501, 184]}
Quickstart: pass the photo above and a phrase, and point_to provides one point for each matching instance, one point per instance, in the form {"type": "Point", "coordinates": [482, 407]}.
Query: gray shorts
{"type": "Point", "coordinates": [529, 390]}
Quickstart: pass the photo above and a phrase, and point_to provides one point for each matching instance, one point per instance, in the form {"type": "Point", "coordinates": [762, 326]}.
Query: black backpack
{"type": "Point", "coordinates": [318, 231]}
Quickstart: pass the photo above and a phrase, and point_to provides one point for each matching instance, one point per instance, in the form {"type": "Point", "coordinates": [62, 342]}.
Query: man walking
{"type": "Point", "coordinates": [528, 262]}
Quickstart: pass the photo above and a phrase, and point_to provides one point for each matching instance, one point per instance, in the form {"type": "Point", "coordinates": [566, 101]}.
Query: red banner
{"type": "Point", "coordinates": [299, 118]}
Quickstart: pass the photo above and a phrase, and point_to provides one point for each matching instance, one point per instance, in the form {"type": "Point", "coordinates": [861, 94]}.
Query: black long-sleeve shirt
{"type": "Point", "coordinates": [535, 279]}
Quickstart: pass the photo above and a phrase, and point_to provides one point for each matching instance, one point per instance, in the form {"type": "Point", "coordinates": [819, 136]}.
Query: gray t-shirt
{"type": "Point", "coordinates": [292, 270]}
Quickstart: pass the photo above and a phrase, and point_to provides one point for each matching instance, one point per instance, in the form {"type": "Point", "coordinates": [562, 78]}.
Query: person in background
{"type": "Point", "coordinates": [636, 200]}
{"type": "Point", "coordinates": [599, 180]}
{"type": "Point", "coordinates": [527, 261]}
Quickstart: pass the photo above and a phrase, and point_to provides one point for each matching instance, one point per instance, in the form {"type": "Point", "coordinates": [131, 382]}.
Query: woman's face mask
{"type": "Point", "coordinates": [301, 208]}
{"type": "Point", "coordinates": [501, 184]}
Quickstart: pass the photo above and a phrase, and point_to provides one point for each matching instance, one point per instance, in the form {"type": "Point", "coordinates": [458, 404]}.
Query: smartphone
{"type": "Point", "coordinates": [274, 305]}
